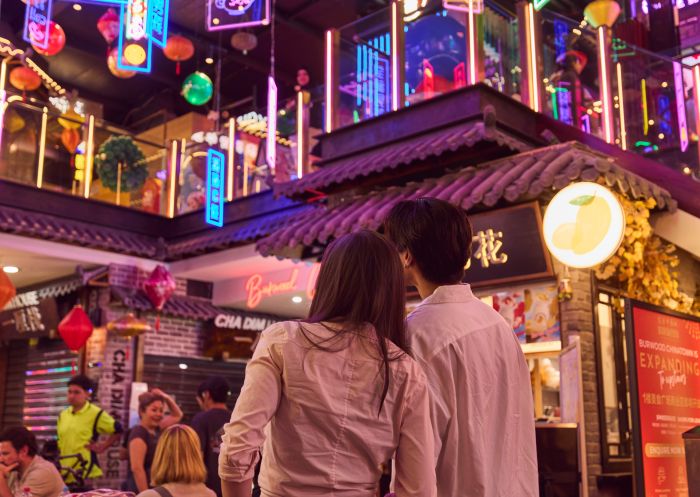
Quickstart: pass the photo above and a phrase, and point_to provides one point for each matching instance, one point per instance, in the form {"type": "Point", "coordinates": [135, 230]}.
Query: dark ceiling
{"type": "Point", "coordinates": [299, 26]}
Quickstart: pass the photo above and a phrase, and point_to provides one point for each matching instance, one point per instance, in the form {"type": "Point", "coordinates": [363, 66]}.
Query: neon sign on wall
{"type": "Point", "coordinates": [135, 44]}
{"type": "Point", "coordinates": [215, 188]}
{"type": "Point", "coordinates": [37, 20]}
{"type": "Point", "coordinates": [231, 14]}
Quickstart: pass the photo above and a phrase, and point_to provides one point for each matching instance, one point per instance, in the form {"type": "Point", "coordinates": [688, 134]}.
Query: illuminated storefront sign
{"type": "Point", "coordinates": [135, 44]}
{"type": "Point", "coordinates": [158, 21]}
{"type": "Point", "coordinates": [28, 315]}
{"type": "Point", "coordinates": [37, 20]}
{"type": "Point", "coordinates": [231, 14]}
{"type": "Point", "coordinates": [216, 165]}
{"type": "Point", "coordinates": [233, 334]}
{"type": "Point", "coordinates": [257, 288]}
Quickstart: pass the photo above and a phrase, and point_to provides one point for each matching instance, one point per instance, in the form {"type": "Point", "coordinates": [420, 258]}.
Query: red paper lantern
{"type": "Point", "coordinates": [57, 40]}
{"type": "Point", "coordinates": [24, 79]}
{"type": "Point", "coordinates": [159, 287]}
{"type": "Point", "coordinates": [178, 49]}
{"type": "Point", "coordinates": [108, 26]}
{"type": "Point", "coordinates": [75, 328]}
{"type": "Point", "coordinates": [70, 139]}
{"type": "Point", "coordinates": [7, 290]}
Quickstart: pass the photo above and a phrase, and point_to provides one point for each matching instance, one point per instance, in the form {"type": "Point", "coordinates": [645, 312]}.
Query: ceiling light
{"type": "Point", "coordinates": [297, 299]}
{"type": "Point", "coordinates": [183, 365]}
{"type": "Point", "coordinates": [10, 269]}
{"type": "Point", "coordinates": [77, 7]}
{"type": "Point", "coordinates": [686, 170]}
{"type": "Point", "coordinates": [209, 60]}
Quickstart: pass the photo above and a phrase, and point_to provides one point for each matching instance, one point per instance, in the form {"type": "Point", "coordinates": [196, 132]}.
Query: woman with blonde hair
{"type": "Point", "coordinates": [178, 469]}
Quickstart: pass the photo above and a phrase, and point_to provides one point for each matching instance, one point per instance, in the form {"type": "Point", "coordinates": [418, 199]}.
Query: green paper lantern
{"type": "Point", "coordinates": [197, 88]}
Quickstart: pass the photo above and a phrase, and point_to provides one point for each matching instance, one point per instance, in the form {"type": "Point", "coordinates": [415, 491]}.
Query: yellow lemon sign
{"type": "Point", "coordinates": [584, 225]}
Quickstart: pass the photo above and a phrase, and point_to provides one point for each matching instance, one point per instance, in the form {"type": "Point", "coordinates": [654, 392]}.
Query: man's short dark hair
{"type": "Point", "coordinates": [217, 387]}
{"type": "Point", "coordinates": [83, 382]}
{"type": "Point", "coordinates": [20, 437]}
{"type": "Point", "coordinates": [436, 234]}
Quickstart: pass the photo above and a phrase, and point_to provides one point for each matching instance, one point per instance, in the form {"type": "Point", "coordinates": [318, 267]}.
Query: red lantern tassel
{"type": "Point", "coordinates": [177, 68]}
{"type": "Point", "coordinates": [158, 321]}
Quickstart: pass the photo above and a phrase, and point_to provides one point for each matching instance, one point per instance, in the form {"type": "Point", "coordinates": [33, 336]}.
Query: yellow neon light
{"type": "Point", "coordinates": [605, 86]}
{"type": "Point", "coordinates": [395, 80]}
{"type": "Point", "coordinates": [3, 74]}
{"type": "Point", "coordinates": [531, 50]}
{"type": "Point", "coordinates": [42, 149]}
{"type": "Point", "coordinates": [621, 103]}
{"type": "Point", "coordinates": [301, 139]}
{"type": "Point", "coordinates": [645, 109]}
{"type": "Point", "coordinates": [6, 47]}
{"type": "Point", "coordinates": [329, 87]}
{"type": "Point", "coordinates": [172, 177]}
{"type": "Point", "coordinates": [90, 156]}
{"type": "Point", "coordinates": [231, 169]}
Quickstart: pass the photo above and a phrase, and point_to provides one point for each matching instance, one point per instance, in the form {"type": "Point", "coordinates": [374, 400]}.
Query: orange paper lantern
{"type": "Point", "coordinates": [178, 49]}
{"type": "Point", "coordinates": [24, 79]}
{"type": "Point", "coordinates": [7, 290]}
{"type": "Point", "coordinates": [70, 139]}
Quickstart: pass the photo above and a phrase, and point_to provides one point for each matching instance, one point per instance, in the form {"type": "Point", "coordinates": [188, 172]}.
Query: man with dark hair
{"type": "Point", "coordinates": [22, 470]}
{"type": "Point", "coordinates": [212, 395]}
{"type": "Point", "coordinates": [481, 406]}
{"type": "Point", "coordinates": [80, 425]}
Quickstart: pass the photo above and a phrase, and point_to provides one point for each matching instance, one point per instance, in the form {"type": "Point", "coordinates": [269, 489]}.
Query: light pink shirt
{"type": "Point", "coordinates": [325, 434]}
{"type": "Point", "coordinates": [481, 405]}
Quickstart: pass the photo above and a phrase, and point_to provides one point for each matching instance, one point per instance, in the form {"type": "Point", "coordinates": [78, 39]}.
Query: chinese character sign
{"type": "Point", "coordinates": [135, 44]}
{"type": "Point", "coordinates": [232, 14]}
{"type": "Point", "coordinates": [158, 19]}
{"type": "Point", "coordinates": [37, 20]}
{"type": "Point", "coordinates": [665, 382]}
{"type": "Point", "coordinates": [215, 188]}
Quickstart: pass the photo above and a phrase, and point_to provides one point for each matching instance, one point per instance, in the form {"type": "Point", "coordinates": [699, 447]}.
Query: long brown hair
{"type": "Point", "coordinates": [361, 282]}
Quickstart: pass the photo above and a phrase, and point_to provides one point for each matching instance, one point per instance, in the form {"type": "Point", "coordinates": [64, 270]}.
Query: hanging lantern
{"type": "Point", "coordinates": [75, 328]}
{"type": "Point", "coordinates": [13, 121]}
{"type": "Point", "coordinates": [244, 41]}
{"type": "Point", "coordinates": [24, 79]}
{"type": "Point", "coordinates": [70, 139]}
{"type": "Point", "coordinates": [114, 69]}
{"type": "Point", "coordinates": [129, 326]}
{"type": "Point", "coordinates": [7, 290]}
{"type": "Point", "coordinates": [197, 88]}
{"type": "Point", "coordinates": [601, 13]}
{"type": "Point", "coordinates": [178, 49]}
{"type": "Point", "coordinates": [108, 26]}
{"type": "Point", "coordinates": [57, 40]}
{"type": "Point", "coordinates": [159, 287]}
{"type": "Point", "coordinates": [71, 119]}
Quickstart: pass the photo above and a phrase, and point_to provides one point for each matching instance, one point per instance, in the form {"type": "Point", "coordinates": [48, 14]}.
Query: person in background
{"type": "Point", "coordinates": [79, 427]}
{"type": "Point", "coordinates": [22, 470]}
{"type": "Point", "coordinates": [481, 402]}
{"type": "Point", "coordinates": [336, 393]}
{"type": "Point", "coordinates": [143, 437]}
{"type": "Point", "coordinates": [212, 395]}
{"type": "Point", "coordinates": [178, 470]}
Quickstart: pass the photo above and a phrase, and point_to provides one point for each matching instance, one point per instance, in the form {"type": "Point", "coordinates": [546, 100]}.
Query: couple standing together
{"type": "Point", "coordinates": [445, 393]}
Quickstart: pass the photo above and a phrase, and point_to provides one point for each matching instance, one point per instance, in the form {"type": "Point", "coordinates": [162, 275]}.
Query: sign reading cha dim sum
{"type": "Point", "coordinates": [584, 225]}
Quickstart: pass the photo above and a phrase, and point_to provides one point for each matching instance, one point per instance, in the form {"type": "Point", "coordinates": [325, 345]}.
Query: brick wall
{"type": "Point", "coordinates": [176, 338]}
{"type": "Point", "coordinates": [577, 319]}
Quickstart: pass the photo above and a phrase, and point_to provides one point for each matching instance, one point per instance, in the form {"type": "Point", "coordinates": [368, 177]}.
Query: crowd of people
{"type": "Point", "coordinates": [442, 397]}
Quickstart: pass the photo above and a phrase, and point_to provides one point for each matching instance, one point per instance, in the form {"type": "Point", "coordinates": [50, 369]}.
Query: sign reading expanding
{"type": "Point", "coordinates": [232, 14]}
{"type": "Point", "coordinates": [584, 225]}
{"type": "Point", "coordinates": [216, 164]}
{"type": "Point", "coordinates": [135, 44]}
{"type": "Point", "coordinates": [37, 20]}
{"type": "Point", "coordinates": [664, 371]}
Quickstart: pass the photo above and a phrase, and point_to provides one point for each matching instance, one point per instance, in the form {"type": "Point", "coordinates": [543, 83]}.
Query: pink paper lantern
{"type": "Point", "coordinates": [159, 287]}
{"type": "Point", "coordinates": [108, 26]}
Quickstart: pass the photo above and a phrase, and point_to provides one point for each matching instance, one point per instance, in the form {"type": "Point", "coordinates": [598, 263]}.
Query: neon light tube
{"type": "Point", "coordinates": [329, 87]}
{"type": "Point", "coordinates": [172, 179]}
{"type": "Point", "coordinates": [42, 149]}
{"type": "Point", "coordinates": [231, 169]}
{"type": "Point", "coordinates": [604, 79]}
{"type": "Point", "coordinates": [680, 106]}
{"type": "Point", "coordinates": [645, 108]}
{"type": "Point", "coordinates": [301, 138]}
{"type": "Point", "coordinates": [395, 79]}
{"type": "Point", "coordinates": [89, 156]}
{"type": "Point", "coordinates": [696, 99]}
{"type": "Point", "coordinates": [621, 103]}
{"type": "Point", "coordinates": [472, 45]}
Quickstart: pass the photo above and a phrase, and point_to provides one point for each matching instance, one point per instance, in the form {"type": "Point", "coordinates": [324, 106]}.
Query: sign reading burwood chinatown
{"type": "Point", "coordinates": [665, 387]}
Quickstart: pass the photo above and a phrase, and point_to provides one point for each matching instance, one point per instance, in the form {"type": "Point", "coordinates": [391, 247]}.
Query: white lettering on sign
{"type": "Point", "coordinates": [243, 323]}
{"type": "Point", "coordinates": [23, 300]}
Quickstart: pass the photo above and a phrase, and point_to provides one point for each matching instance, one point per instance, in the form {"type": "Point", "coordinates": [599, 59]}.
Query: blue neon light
{"type": "Point", "coordinates": [125, 20]}
{"type": "Point", "coordinates": [216, 163]}
{"type": "Point", "coordinates": [37, 21]}
{"type": "Point", "coordinates": [158, 14]}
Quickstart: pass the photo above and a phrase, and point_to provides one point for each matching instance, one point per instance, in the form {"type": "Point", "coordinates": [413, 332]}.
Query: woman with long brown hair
{"type": "Point", "coordinates": [339, 391]}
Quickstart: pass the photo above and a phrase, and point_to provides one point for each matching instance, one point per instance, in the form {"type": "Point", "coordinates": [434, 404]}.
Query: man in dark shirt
{"type": "Point", "coordinates": [212, 395]}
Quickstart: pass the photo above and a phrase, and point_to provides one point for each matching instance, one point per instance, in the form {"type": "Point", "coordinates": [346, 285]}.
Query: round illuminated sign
{"type": "Point", "coordinates": [584, 225]}
{"type": "Point", "coordinates": [134, 54]}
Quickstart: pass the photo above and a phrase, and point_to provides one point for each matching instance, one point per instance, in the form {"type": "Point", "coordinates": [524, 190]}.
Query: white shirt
{"type": "Point", "coordinates": [481, 396]}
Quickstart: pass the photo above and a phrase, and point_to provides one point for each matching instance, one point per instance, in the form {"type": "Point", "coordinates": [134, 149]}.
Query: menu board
{"type": "Point", "coordinates": [665, 389]}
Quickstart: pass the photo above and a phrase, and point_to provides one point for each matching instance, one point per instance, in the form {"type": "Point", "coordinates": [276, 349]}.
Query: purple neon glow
{"type": "Point", "coordinates": [680, 106]}
{"type": "Point", "coordinates": [232, 14]}
{"type": "Point", "coordinates": [3, 99]}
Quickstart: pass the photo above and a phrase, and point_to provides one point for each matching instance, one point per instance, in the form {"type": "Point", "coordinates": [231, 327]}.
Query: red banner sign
{"type": "Point", "coordinates": [665, 387]}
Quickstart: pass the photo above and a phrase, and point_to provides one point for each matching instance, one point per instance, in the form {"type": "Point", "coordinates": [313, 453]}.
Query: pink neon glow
{"type": "Point", "coordinates": [605, 86]}
{"type": "Point", "coordinates": [395, 80]}
{"type": "Point", "coordinates": [472, 47]}
{"type": "Point", "coordinates": [3, 98]}
{"type": "Point", "coordinates": [680, 106]}
{"type": "Point", "coordinates": [329, 81]}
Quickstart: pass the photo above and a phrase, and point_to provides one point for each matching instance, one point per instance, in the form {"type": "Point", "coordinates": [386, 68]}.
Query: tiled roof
{"type": "Point", "coordinates": [420, 147]}
{"type": "Point", "coordinates": [519, 177]}
{"type": "Point", "coordinates": [177, 305]}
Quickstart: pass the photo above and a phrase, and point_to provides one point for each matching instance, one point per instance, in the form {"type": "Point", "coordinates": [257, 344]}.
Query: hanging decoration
{"type": "Point", "coordinates": [178, 49]}
{"type": "Point", "coordinates": [601, 13]}
{"type": "Point", "coordinates": [159, 287]}
{"type": "Point", "coordinates": [232, 14]}
{"type": "Point", "coordinates": [37, 23]}
{"type": "Point", "coordinates": [112, 65]}
{"type": "Point", "coordinates": [135, 44]}
{"type": "Point", "coordinates": [216, 165]}
{"type": "Point", "coordinates": [57, 40]}
{"type": "Point", "coordinates": [108, 26]}
{"type": "Point", "coordinates": [158, 11]}
{"type": "Point", "coordinates": [121, 164]}
{"type": "Point", "coordinates": [24, 79]}
{"type": "Point", "coordinates": [75, 328]}
{"type": "Point", "coordinates": [197, 88]}
{"type": "Point", "coordinates": [70, 119]}
{"type": "Point", "coordinates": [7, 290]}
{"type": "Point", "coordinates": [70, 139]}
{"type": "Point", "coordinates": [129, 326]}
{"type": "Point", "coordinates": [13, 121]}
{"type": "Point", "coordinates": [244, 41]}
